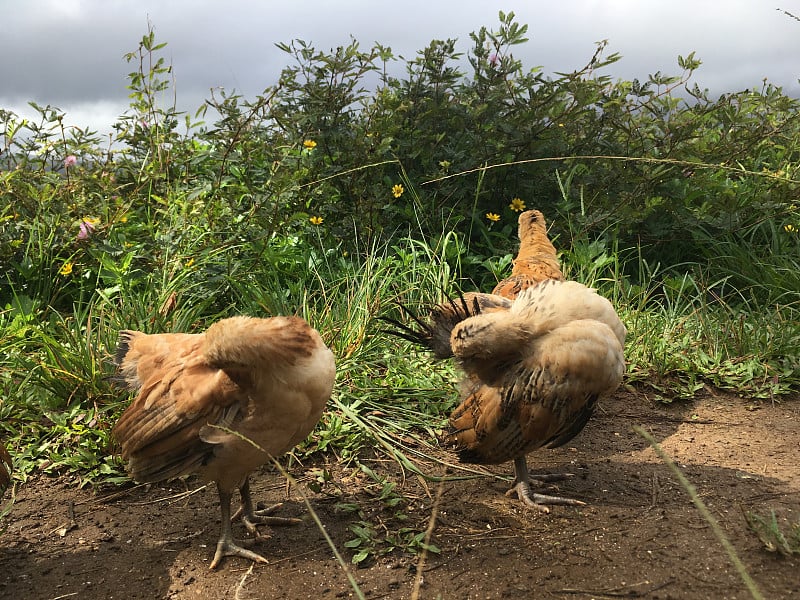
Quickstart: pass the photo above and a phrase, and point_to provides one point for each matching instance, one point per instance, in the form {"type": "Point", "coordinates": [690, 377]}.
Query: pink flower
{"type": "Point", "coordinates": [493, 59]}
{"type": "Point", "coordinates": [86, 230]}
{"type": "Point", "coordinates": [70, 161]}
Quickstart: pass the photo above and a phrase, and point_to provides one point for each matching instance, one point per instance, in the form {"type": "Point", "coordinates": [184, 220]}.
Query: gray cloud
{"type": "Point", "coordinates": [69, 53]}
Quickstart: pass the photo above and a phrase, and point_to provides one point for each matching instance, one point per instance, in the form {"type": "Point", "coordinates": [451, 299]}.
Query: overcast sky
{"type": "Point", "coordinates": [69, 53]}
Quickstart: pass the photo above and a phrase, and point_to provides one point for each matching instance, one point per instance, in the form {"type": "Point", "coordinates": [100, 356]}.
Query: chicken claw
{"type": "Point", "coordinates": [251, 517]}
{"type": "Point", "coordinates": [227, 547]}
{"type": "Point", "coordinates": [522, 488]}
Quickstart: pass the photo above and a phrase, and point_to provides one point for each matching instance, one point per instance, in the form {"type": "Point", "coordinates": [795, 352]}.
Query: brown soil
{"type": "Point", "coordinates": [638, 537]}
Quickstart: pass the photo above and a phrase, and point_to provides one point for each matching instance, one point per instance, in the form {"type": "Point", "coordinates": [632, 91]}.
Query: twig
{"type": "Point", "coordinates": [70, 525]}
{"type": "Point", "coordinates": [113, 496]}
{"type": "Point", "coordinates": [698, 502]}
{"type": "Point", "coordinates": [240, 585]}
{"type": "Point", "coordinates": [116, 495]}
{"type": "Point", "coordinates": [428, 534]}
{"type": "Point", "coordinates": [659, 418]}
{"type": "Point", "coordinates": [788, 14]}
{"type": "Point", "coordinates": [182, 538]}
{"type": "Point", "coordinates": [294, 556]}
{"type": "Point", "coordinates": [663, 161]}
{"type": "Point", "coordinates": [321, 527]}
{"type": "Point", "coordinates": [175, 497]}
{"type": "Point", "coordinates": [347, 171]}
{"type": "Point", "coordinates": [622, 592]}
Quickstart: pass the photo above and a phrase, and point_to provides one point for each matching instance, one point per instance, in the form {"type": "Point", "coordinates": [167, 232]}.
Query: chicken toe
{"type": "Point", "coordinates": [540, 501]}
{"type": "Point", "coordinates": [251, 517]}
{"type": "Point", "coordinates": [227, 547]}
{"type": "Point", "coordinates": [522, 488]}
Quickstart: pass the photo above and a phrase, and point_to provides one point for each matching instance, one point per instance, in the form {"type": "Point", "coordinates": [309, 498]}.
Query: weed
{"type": "Point", "coordinates": [769, 531]}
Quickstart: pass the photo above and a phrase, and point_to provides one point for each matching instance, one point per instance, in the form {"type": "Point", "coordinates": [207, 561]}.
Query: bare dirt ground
{"type": "Point", "coordinates": [638, 537]}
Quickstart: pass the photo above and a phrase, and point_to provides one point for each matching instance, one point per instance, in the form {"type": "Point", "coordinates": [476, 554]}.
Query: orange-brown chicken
{"type": "Point", "coordinates": [221, 403]}
{"type": "Point", "coordinates": [5, 470]}
{"type": "Point", "coordinates": [536, 259]}
{"type": "Point", "coordinates": [536, 361]}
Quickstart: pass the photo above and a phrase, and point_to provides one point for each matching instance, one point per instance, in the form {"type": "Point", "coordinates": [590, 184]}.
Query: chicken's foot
{"type": "Point", "coordinates": [226, 546]}
{"type": "Point", "coordinates": [251, 517]}
{"type": "Point", "coordinates": [522, 488]}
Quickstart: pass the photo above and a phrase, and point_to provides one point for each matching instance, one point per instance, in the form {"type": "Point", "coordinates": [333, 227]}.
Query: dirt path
{"type": "Point", "coordinates": [639, 536]}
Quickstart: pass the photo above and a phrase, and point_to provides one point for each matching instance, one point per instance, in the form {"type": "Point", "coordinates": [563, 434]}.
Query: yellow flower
{"type": "Point", "coordinates": [91, 220]}
{"type": "Point", "coordinates": [309, 144]}
{"type": "Point", "coordinates": [397, 190]}
{"type": "Point", "coordinates": [65, 269]}
{"type": "Point", "coordinates": [517, 205]}
{"type": "Point", "coordinates": [790, 228]}
{"type": "Point", "coordinates": [493, 217]}
{"type": "Point", "coordinates": [316, 220]}
{"type": "Point", "coordinates": [123, 219]}
{"type": "Point", "coordinates": [189, 263]}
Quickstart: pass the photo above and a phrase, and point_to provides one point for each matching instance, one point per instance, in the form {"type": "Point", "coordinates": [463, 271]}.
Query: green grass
{"type": "Point", "coordinates": [387, 392]}
{"type": "Point", "coordinates": [772, 535]}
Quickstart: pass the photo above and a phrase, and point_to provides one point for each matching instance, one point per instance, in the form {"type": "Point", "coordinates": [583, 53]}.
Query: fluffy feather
{"type": "Point", "coordinates": [435, 333]}
{"type": "Point", "coordinates": [534, 372]}
{"type": "Point", "coordinates": [536, 259]}
{"type": "Point", "coordinates": [220, 403]}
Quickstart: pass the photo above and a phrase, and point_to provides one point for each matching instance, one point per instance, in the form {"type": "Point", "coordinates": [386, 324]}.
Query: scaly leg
{"type": "Point", "coordinates": [251, 517]}
{"type": "Point", "coordinates": [226, 546]}
{"type": "Point", "coordinates": [522, 488]}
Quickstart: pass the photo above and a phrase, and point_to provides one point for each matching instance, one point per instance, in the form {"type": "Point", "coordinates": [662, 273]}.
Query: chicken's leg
{"type": "Point", "coordinates": [522, 487]}
{"type": "Point", "coordinates": [226, 546]}
{"type": "Point", "coordinates": [251, 517]}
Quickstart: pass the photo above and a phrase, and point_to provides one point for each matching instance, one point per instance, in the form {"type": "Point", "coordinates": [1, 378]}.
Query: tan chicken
{"type": "Point", "coordinates": [5, 470]}
{"type": "Point", "coordinates": [536, 259]}
{"type": "Point", "coordinates": [535, 365]}
{"type": "Point", "coordinates": [220, 404]}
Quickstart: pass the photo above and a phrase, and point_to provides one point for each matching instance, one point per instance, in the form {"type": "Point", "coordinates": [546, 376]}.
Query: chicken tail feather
{"type": "Point", "coordinates": [434, 333]}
